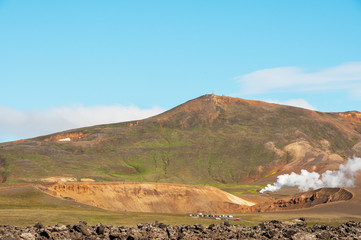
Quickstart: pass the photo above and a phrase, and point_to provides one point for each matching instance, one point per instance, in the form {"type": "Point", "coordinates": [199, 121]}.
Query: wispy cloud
{"type": "Point", "coordinates": [17, 124]}
{"type": "Point", "coordinates": [293, 79]}
{"type": "Point", "coordinates": [299, 102]}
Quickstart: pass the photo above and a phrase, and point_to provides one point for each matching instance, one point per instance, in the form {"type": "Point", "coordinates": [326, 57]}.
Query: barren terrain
{"type": "Point", "coordinates": [172, 198]}
{"type": "Point", "coordinates": [149, 197]}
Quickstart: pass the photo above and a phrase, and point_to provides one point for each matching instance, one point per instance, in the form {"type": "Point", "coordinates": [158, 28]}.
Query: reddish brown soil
{"type": "Point", "coordinates": [173, 198]}
{"type": "Point", "coordinates": [149, 197]}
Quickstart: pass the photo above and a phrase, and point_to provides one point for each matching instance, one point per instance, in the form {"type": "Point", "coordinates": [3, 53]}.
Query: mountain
{"type": "Point", "coordinates": [210, 139]}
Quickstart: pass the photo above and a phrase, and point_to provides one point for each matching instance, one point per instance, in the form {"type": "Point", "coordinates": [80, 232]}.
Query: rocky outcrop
{"type": "Point", "coordinates": [299, 201]}
{"type": "Point", "coordinates": [352, 116]}
{"type": "Point", "coordinates": [305, 200]}
{"type": "Point", "coordinates": [295, 230]}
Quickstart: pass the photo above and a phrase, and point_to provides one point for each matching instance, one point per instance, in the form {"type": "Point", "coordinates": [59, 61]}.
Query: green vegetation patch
{"type": "Point", "coordinates": [272, 173]}
{"type": "Point", "coordinates": [239, 189]}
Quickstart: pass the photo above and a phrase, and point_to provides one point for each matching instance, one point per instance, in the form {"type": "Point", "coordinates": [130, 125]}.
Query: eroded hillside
{"type": "Point", "coordinates": [211, 139]}
{"type": "Point", "coordinates": [176, 198]}
{"type": "Point", "coordinates": [149, 197]}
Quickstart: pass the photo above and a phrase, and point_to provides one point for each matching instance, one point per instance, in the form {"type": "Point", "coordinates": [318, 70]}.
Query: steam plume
{"type": "Point", "coordinates": [343, 177]}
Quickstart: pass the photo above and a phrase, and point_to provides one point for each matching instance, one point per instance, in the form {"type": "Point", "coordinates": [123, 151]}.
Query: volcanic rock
{"type": "Point", "coordinates": [266, 230]}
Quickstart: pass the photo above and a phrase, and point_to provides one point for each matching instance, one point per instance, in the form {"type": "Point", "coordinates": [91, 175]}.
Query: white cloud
{"type": "Point", "coordinates": [299, 102]}
{"type": "Point", "coordinates": [17, 124]}
{"type": "Point", "coordinates": [346, 76]}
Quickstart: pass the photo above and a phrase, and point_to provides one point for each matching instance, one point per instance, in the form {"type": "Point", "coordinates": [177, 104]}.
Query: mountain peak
{"type": "Point", "coordinates": [208, 109]}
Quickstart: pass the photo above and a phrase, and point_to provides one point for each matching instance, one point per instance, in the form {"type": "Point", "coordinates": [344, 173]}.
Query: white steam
{"type": "Point", "coordinates": [343, 177]}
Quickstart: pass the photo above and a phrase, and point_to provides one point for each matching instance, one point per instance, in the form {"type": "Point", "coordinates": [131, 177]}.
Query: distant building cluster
{"type": "Point", "coordinates": [215, 216]}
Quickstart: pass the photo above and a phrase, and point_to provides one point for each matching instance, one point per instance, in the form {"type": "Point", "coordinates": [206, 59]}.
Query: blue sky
{"type": "Point", "coordinates": [67, 64]}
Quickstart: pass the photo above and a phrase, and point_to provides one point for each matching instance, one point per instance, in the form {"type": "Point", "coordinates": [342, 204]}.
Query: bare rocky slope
{"type": "Point", "coordinates": [211, 139]}
{"type": "Point", "coordinates": [149, 197]}
{"type": "Point", "coordinates": [176, 198]}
